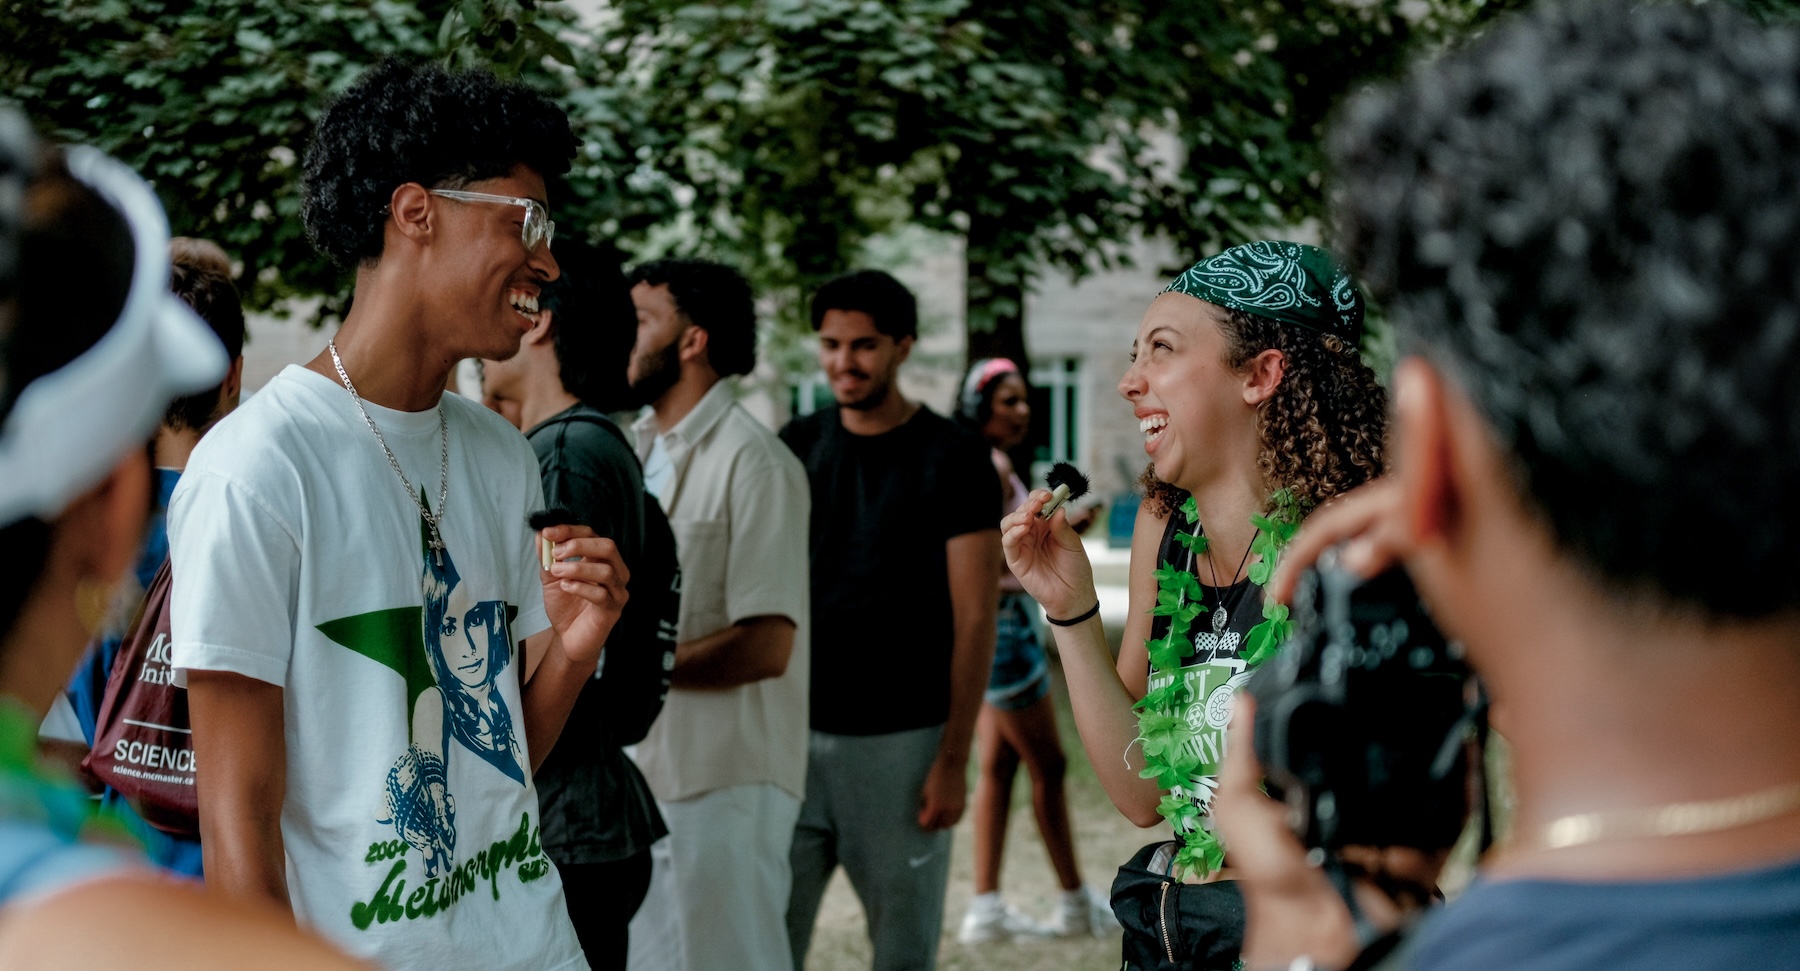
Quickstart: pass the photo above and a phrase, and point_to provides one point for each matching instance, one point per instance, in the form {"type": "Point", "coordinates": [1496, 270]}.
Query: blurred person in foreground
{"type": "Point", "coordinates": [376, 661]}
{"type": "Point", "coordinates": [599, 816]}
{"type": "Point", "coordinates": [200, 274]}
{"type": "Point", "coordinates": [1018, 720]}
{"type": "Point", "coordinates": [727, 756]}
{"type": "Point", "coordinates": [1584, 227]}
{"type": "Point", "coordinates": [92, 349]}
{"type": "Point", "coordinates": [905, 563]}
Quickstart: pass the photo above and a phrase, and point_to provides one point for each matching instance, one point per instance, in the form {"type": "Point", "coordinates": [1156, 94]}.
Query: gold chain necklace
{"type": "Point", "coordinates": [1674, 819]}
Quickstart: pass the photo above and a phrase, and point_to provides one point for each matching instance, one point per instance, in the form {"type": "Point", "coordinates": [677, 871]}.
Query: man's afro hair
{"type": "Point", "coordinates": [403, 123]}
{"type": "Point", "coordinates": [1590, 217]}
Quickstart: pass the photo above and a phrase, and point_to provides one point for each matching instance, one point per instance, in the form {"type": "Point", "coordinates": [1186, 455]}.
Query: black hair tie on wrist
{"type": "Point", "coordinates": [1071, 622]}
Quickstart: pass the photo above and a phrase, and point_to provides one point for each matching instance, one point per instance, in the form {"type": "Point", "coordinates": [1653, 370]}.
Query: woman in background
{"type": "Point", "coordinates": [1018, 720]}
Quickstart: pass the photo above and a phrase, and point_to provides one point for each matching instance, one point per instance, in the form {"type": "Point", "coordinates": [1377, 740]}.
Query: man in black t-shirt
{"type": "Point", "coordinates": [905, 562]}
{"type": "Point", "coordinates": [599, 817]}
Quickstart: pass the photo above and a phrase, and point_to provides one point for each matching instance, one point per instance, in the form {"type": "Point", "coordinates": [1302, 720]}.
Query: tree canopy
{"type": "Point", "coordinates": [213, 100]}
{"type": "Point", "coordinates": [1045, 134]}
{"type": "Point", "coordinates": [781, 135]}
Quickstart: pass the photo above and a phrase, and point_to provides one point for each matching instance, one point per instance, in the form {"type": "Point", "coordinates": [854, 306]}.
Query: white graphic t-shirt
{"type": "Point", "coordinates": [410, 823]}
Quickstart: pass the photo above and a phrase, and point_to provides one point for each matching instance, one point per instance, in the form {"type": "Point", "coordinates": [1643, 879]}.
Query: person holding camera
{"type": "Point", "coordinates": [1584, 226]}
{"type": "Point", "coordinates": [1255, 408]}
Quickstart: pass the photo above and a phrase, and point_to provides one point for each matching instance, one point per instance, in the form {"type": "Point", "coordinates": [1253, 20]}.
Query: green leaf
{"type": "Point", "coordinates": [1266, 638]}
{"type": "Point", "coordinates": [1195, 542]}
{"type": "Point", "coordinates": [547, 43]}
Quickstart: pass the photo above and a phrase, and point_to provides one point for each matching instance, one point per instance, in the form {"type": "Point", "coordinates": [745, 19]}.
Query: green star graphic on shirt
{"type": "Point", "coordinates": [394, 637]}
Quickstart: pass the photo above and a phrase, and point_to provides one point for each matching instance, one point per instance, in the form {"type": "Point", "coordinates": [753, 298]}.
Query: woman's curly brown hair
{"type": "Point", "coordinates": [1322, 431]}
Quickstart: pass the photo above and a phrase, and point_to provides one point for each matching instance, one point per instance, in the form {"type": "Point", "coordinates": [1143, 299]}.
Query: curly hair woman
{"type": "Point", "coordinates": [1255, 407]}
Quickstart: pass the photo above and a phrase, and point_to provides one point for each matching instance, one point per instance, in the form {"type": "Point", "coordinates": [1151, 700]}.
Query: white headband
{"type": "Point", "coordinates": [70, 427]}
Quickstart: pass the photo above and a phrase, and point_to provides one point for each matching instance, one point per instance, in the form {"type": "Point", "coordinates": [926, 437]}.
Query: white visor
{"type": "Point", "coordinates": [69, 428]}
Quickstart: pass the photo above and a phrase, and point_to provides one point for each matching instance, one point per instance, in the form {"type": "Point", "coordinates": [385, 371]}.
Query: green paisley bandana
{"type": "Point", "coordinates": [1290, 282]}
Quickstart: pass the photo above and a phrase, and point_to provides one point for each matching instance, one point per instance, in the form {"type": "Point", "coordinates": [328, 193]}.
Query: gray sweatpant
{"type": "Point", "coordinates": [862, 810]}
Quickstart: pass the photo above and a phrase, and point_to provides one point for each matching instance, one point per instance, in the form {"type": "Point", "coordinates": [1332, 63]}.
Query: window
{"type": "Point", "coordinates": [809, 394]}
{"type": "Point", "coordinates": [1055, 413]}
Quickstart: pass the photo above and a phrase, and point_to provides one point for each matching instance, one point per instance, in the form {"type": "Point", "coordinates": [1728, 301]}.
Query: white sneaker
{"type": "Point", "coordinates": [990, 918]}
{"type": "Point", "coordinates": [1083, 912]}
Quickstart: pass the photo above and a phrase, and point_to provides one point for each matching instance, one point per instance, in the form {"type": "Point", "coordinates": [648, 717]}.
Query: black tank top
{"type": "Point", "coordinates": [1215, 671]}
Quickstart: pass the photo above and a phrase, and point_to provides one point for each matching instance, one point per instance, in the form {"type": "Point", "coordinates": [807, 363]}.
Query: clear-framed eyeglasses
{"type": "Point", "coordinates": [538, 230]}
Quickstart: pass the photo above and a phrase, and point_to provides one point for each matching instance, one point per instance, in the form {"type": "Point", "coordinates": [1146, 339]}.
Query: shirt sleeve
{"type": "Point", "coordinates": [532, 618]}
{"type": "Point", "coordinates": [234, 582]}
{"type": "Point", "coordinates": [969, 489]}
{"type": "Point", "coordinates": [640, 654]}
{"type": "Point", "coordinates": [599, 482]}
{"type": "Point", "coordinates": [766, 568]}
{"type": "Point", "coordinates": [61, 724]}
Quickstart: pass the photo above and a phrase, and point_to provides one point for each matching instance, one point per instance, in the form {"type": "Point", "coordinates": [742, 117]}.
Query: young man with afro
{"type": "Point", "coordinates": [376, 660]}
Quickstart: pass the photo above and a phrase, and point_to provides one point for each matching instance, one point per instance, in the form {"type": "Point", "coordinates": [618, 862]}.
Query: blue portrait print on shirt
{"type": "Point", "coordinates": [466, 645]}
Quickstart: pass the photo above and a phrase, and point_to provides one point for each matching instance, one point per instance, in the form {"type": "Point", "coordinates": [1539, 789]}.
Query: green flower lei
{"type": "Point", "coordinates": [1165, 735]}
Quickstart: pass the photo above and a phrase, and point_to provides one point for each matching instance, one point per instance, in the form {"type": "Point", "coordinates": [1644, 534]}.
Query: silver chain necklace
{"type": "Point", "coordinates": [431, 520]}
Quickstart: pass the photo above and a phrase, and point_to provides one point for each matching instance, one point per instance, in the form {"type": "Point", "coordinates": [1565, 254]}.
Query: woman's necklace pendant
{"type": "Point", "coordinates": [1220, 618]}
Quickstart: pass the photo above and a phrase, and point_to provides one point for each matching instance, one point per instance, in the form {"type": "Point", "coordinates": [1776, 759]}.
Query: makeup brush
{"type": "Point", "coordinates": [544, 519]}
{"type": "Point", "coordinates": [1066, 482]}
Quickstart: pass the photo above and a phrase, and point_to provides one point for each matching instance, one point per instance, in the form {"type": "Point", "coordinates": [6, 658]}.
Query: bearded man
{"type": "Point", "coordinates": [727, 756]}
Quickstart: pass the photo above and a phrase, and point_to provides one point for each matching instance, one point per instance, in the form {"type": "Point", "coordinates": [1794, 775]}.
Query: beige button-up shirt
{"type": "Point", "coordinates": [738, 502]}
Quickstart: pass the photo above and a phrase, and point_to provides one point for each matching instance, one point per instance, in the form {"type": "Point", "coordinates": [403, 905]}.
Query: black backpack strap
{"type": "Point", "coordinates": [601, 421]}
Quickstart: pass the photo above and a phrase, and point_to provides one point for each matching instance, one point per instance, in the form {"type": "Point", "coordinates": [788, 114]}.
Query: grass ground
{"type": "Point", "coordinates": [1103, 840]}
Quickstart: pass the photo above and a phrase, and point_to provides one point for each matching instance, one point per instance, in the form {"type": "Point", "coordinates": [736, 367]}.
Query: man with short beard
{"type": "Point", "coordinates": [906, 558]}
{"type": "Point", "coordinates": [727, 757]}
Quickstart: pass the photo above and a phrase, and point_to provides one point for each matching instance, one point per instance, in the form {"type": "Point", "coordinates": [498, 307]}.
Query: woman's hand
{"type": "Point", "coordinates": [1047, 558]}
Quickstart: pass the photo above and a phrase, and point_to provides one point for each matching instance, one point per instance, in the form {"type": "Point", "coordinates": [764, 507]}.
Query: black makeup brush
{"type": "Point", "coordinates": [544, 519]}
{"type": "Point", "coordinates": [1066, 482]}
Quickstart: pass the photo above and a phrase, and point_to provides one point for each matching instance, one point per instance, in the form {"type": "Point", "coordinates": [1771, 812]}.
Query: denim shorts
{"type": "Point", "coordinates": [1021, 673]}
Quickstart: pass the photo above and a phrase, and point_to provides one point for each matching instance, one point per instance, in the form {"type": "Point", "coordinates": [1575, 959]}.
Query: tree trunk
{"type": "Point", "coordinates": [995, 300]}
{"type": "Point", "coordinates": [995, 309]}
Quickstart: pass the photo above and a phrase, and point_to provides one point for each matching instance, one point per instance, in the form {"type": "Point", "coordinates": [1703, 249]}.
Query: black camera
{"type": "Point", "coordinates": [1363, 718]}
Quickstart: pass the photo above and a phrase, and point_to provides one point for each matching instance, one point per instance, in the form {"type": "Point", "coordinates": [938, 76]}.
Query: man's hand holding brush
{"type": "Point", "coordinates": [584, 583]}
{"type": "Point", "coordinates": [584, 590]}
